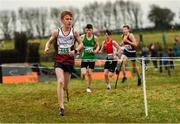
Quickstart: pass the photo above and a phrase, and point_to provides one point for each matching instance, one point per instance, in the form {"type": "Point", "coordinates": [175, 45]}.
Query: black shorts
{"type": "Point", "coordinates": [110, 65]}
{"type": "Point", "coordinates": [87, 65]}
{"type": "Point", "coordinates": [64, 67]}
{"type": "Point", "coordinates": [129, 54]}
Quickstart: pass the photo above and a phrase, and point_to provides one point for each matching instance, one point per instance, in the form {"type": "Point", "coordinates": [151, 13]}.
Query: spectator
{"type": "Point", "coordinates": [176, 46]}
{"type": "Point", "coordinates": [171, 54]}
{"type": "Point", "coordinates": [146, 53]}
{"type": "Point", "coordinates": [154, 54]}
{"type": "Point", "coordinates": [160, 54]}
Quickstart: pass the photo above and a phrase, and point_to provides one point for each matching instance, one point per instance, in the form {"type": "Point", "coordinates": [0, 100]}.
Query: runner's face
{"type": "Point", "coordinates": [107, 36]}
{"type": "Point", "coordinates": [89, 31]}
{"type": "Point", "coordinates": [125, 30]}
{"type": "Point", "coordinates": [67, 21]}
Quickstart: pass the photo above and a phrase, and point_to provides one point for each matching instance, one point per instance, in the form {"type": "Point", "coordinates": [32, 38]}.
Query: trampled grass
{"type": "Point", "coordinates": [38, 102]}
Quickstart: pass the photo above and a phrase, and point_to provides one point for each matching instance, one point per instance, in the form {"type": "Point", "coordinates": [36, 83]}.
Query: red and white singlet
{"type": "Point", "coordinates": [64, 44]}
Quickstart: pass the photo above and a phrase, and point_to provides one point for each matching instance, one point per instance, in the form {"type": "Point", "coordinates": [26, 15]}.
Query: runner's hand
{"type": "Point", "coordinates": [77, 56]}
{"type": "Point", "coordinates": [72, 53]}
{"type": "Point", "coordinates": [46, 50]}
{"type": "Point", "coordinates": [95, 52]}
{"type": "Point", "coordinates": [115, 56]}
{"type": "Point", "coordinates": [100, 51]}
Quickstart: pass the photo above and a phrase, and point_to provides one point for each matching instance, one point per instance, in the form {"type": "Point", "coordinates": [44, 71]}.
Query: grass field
{"type": "Point", "coordinates": [35, 103]}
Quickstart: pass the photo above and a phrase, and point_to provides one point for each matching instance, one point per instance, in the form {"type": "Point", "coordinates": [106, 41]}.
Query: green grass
{"type": "Point", "coordinates": [35, 103]}
{"type": "Point", "coordinates": [8, 44]}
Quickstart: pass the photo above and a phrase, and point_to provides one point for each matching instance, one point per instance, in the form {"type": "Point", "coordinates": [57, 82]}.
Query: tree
{"type": "Point", "coordinates": [5, 24]}
{"type": "Point", "coordinates": [135, 8]}
{"type": "Point", "coordinates": [161, 17]}
{"type": "Point", "coordinates": [40, 21]}
{"type": "Point", "coordinates": [107, 12]}
{"type": "Point", "coordinates": [90, 12]}
{"type": "Point", "coordinates": [29, 16]}
{"type": "Point", "coordinates": [54, 14]}
{"type": "Point", "coordinates": [14, 20]}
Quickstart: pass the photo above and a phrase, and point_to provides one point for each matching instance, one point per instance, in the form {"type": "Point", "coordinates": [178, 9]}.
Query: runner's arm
{"type": "Point", "coordinates": [102, 47]}
{"type": "Point", "coordinates": [79, 40]}
{"type": "Point", "coordinates": [96, 46]}
{"type": "Point", "coordinates": [54, 34]}
{"type": "Point", "coordinates": [133, 43]}
{"type": "Point", "coordinates": [115, 44]}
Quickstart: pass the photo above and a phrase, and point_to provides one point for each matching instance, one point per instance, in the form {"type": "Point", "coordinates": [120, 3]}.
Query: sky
{"type": "Point", "coordinates": [174, 5]}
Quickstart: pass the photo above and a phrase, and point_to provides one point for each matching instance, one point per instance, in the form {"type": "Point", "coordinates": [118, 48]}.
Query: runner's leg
{"type": "Point", "coordinates": [60, 88]}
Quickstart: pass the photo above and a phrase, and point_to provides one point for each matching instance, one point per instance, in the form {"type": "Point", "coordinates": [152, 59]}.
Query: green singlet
{"type": "Point", "coordinates": [88, 48]}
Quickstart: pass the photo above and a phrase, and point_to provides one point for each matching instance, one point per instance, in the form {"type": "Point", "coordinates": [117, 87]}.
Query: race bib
{"type": "Point", "coordinates": [63, 51]}
{"type": "Point", "coordinates": [127, 47]}
{"type": "Point", "coordinates": [110, 56]}
{"type": "Point", "coordinates": [88, 49]}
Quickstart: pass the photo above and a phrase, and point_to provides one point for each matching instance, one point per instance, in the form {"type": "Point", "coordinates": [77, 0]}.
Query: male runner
{"type": "Point", "coordinates": [108, 46]}
{"type": "Point", "coordinates": [91, 47]}
{"type": "Point", "coordinates": [64, 38]}
{"type": "Point", "coordinates": [129, 45]}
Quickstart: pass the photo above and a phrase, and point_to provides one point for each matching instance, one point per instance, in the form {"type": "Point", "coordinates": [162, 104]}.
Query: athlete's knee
{"type": "Point", "coordinates": [83, 72]}
{"type": "Point", "coordinates": [105, 74]}
{"type": "Point", "coordinates": [123, 67]}
{"type": "Point", "coordinates": [60, 83]}
{"type": "Point", "coordinates": [110, 74]}
{"type": "Point", "coordinates": [89, 74]}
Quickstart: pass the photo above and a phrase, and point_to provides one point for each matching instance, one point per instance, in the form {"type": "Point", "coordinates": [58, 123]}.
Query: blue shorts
{"type": "Point", "coordinates": [64, 67]}
{"type": "Point", "coordinates": [129, 54]}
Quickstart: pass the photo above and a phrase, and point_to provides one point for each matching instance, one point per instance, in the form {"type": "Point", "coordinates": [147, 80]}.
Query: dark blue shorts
{"type": "Point", "coordinates": [64, 67]}
{"type": "Point", "coordinates": [110, 65]}
{"type": "Point", "coordinates": [87, 65]}
{"type": "Point", "coordinates": [129, 54]}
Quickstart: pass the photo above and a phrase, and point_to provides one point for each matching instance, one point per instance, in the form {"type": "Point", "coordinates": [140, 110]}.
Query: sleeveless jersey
{"type": "Point", "coordinates": [128, 47]}
{"type": "Point", "coordinates": [88, 48]}
{"type": "Point", "coordinates": [108, 48]}
{"type": "Point", "coordinates": [64, 44]}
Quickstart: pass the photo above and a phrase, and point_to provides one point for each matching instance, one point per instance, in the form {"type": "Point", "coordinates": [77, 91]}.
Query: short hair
{"type": "Point", "coordinates": [64, 13]}
{"type": "Point", "coordinates": [89, 26]}
{"type": "Point", "coordinates": [126, 26]}
{"type": "Point", "coordinates": [108, 32]}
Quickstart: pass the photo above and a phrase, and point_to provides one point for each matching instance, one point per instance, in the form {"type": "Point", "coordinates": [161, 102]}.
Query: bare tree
{"type": "Point", "coordinates": [54, 14]}
{"type": "Point", "coordinates": [5, 24]}
{"type": "Point", "coordinates": [43, 21]}
{"type": "Point", "coordinates": [115, 14]}
{"type": "Point", "coordinates": [137, 13]}
{"type": "Point", "coordinates": [107, 13]}
{"type": "Point", "coordinates": [13, 20]}
{"type": "Point", "coordinates": [40, 21]}
{"type": "Point", "coordinates": [29, 16]}
{"type": "Point", "coordinates": [22, 19]}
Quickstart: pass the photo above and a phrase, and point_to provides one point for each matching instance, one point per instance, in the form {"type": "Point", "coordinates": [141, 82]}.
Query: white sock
{"type": "Point", "coordinates": [62, 106]}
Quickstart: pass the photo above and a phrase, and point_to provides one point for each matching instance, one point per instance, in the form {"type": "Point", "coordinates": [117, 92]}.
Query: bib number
{"type": "Point", "coordinates": [63, 51]}
{"type": "Point", "coordinates": [128, 47]}
{"type": "Point", "coordinates": [88, 50]}
{"type": "Point", "coordinates": [110, 56]}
